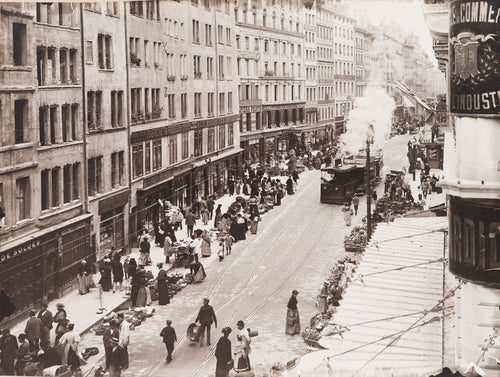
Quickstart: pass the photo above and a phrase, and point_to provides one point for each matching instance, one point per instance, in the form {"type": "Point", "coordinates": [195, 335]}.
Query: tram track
{"type": "Point", "coordinates": [278, 241]}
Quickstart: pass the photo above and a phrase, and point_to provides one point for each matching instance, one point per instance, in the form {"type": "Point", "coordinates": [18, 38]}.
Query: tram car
{"type": "Point", "coordinates": [349, 177]}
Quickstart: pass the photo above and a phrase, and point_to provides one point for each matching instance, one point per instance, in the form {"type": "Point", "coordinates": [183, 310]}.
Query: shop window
{"type": "Point", "coordinates": [137, 160]}
{"type": "Point", "coordinates": [198, 143]}
{"type": "Point", "coordinates": [19, 43]}
{"type": "Point", "coordinates": [185, 145]}
{"type": "Point", "coordinates": [20, 121]}
{"type": "Point", "coordinates": [23, 198]}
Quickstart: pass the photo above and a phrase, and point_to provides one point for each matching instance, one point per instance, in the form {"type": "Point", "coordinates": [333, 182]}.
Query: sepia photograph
{"type": "Point", "coordinates": [250, 188]}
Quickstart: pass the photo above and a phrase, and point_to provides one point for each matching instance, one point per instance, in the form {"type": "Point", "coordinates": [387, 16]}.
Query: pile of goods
{"type": "Point", "coordinates": [134, 316]}
{"type": "Point", "coordinates": [322, 324]}
{"type": "Point", "coordinates": [356, 240]}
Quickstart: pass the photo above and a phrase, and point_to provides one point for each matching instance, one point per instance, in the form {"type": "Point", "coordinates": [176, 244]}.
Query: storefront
{"type": "Point", "coordinates": [112, 223]}
{"type": "Point", "coordinates": [44, 266]}
{"type": "Point", "coordinates": [339, 125]}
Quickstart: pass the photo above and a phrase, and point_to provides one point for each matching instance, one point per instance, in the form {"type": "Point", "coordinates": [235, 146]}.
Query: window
{"type": "Point", "coordinates": [171, 106]}
{"type": "Point", "coordinates": [208, 35]}
{"type": "Point", "coordinates": [228, 36]}
{"type": "Point", "coordinates": [94, 110]}
{"type": "Point", "coordinates": [221, 67]}
{"type": "Point", "coordinates": [230, 102]}
{"type": "Point", "coordinates": [94, 175]}
{"type": "Point", "coordinates": [155, 103]}
{"type": "Point", "coordinates": [116, 108]}
{"type": "Point", "coordinates": [197, 104]}
{"type": "Point", "coordinates": [73, 66]}
{"type": "Point", "coordinates": [196, 31]}
{"type": "Point", "coordinates": [63, 56]}
{"type": "Point", "coordinates": [211, 140]}
{"type": "Point", "coordinates": [134, 52]}
{"type": "Point", "coordinates": [197, 66]}
{"type": "Point", "coordinates": [104, 51]}
{"type": "Point", "coordinates": [19, 43]}
{"type": "Point", "coordinates": [137, 160]}
{"type": "Point", "coordinates": [66, 122]}
{"type": "Point", "coordinates": [135, 102]}
{"type": "Point", "coordinates": [112, 8]}
{"type": "Point", "coordinates": [23, 198]}
{"type": "Point", "coordinates": [185, 145]}
{"type": "Point", "coordinates": [222, 103]}
{"type": "Point", "coordinates": [230, 134]}
{"type": "Point", "coordinates": [198, 143]}
{"type": "Point", "coordinates": [184, 105]}
{"type": "Point", "coordinates": [156, 155]}
{"type": "Point", "coordinates": [136, 8]}
{"type": "Point", "coordinates": [76, 181]}
{"type": "Point", "coordinates": [43, 116]}
{"type": "Point", "coordinates": [55, 187]}
{"type": "Point", "coordinates": [210, 104]}
{"type": "Point", "coordinates": [229, 68]}
{"type": "Point", "coordinates": [67, 170]}
{"type": "Point", "coordinates": [222, 136]}
{"type": "Point", "coordinates": [220, 34]}
{"type": "Point", "coordinates": [147, 158]}
{"type": "Point", "coordinates": [146, 53]}
{"type": "Point", "coordinates": [238, 42]}
{"type": "Point", "coordinates": [21, 121]}
{"type": "Point", "coordinates": [210, 68]}
{"type": "Point", "coordinates": [172, 147]}
{"type": "Point", "coordinates": [45, 186]}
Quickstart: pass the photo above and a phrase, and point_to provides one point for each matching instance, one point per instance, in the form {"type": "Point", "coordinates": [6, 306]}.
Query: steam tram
{"type": "Point", "coordinates": [349, 177]}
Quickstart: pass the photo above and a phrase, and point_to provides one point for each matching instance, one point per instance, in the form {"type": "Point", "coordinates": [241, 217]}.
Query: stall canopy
{"type": "Point", "coordinates": [392, 308]}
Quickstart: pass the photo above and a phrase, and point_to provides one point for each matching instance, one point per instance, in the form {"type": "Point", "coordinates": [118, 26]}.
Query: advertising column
{"type": "Point", "coordinates": [472, 181]}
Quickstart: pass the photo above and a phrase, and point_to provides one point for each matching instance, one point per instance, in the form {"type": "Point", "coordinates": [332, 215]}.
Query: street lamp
{"type": "Point", "coordinates": [369, 140]}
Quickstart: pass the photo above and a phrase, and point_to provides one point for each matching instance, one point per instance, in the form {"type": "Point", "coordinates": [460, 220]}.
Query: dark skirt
{"type": "Point", "coordinates": [163, 293]}
{"type": "Point", "coordinates": [221, 369]}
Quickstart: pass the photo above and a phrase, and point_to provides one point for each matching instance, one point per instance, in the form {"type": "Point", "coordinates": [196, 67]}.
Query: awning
{"type": "Point", "coordinates": [392, 307]}
{"type": "Point", "coordinates": [217, 157]}
{"type": "Point", "coordinates": [407, 102]}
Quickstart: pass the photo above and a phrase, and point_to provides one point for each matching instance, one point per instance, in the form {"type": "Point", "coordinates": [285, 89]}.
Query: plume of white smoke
{"type": "Point", "coordinates": [370, 116]}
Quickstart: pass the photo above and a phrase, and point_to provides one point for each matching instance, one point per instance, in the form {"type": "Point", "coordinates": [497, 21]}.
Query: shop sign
{"type": "Point", "coordinates": [18, 250]}
{"type": "Point", "coordinates": [474, 57]}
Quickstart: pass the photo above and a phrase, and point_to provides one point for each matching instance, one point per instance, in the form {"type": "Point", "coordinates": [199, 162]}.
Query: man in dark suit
{"type": "Point", "coordinates": [206, 317]}
{"type": "Point", "coordinates": [8, 347]}
{"type": "Point", "coordinates": [190, 222]}
{"type": "Point", "coordinates": [46, 317]}
{"type": "Point", "coordinates": [33, 331]}
{"type": "Point", "coordinates": [169, 338]}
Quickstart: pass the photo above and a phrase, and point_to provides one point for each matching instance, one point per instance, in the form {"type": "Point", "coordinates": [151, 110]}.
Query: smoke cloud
{"type": "Point", "coordinates": [375, 109]}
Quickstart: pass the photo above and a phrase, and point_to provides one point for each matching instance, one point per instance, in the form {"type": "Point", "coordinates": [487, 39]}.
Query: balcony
{"type": "Point", "coordinates": [344, 77]}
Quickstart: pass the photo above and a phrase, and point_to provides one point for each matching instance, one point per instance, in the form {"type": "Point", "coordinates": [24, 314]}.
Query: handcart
{"type": "Point", "coordinates": [193, 332]}
{"type": "Point", "coordinates": [182, 255]}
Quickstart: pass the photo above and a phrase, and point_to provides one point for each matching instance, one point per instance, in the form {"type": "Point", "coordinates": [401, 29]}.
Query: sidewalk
{"type": "Point", "coordinates": [82, 309]}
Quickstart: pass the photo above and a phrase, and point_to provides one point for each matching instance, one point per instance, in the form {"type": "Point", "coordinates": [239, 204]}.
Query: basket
{"type": "Point", "coordinates": [252, 333]}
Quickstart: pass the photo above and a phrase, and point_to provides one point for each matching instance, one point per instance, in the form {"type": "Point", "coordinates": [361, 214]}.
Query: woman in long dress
{"type": "Point", "coordinates": [142, 282]}
{"type": "Point", "coordinates": [167, 248]}
{"type": "Point", "coordinates": [205, 244]}
{"type": "Point", "coordinates": [199, 273]}
{"type": "Point", "coordinates": [106, 275]}
{"type": "Point", "coordinates": [289, 186]}
{"type": "Point", "coordinates": [240, 356]}
{"type": "Point", "coordinates": [117, 268]}
{"type": "Point", "coordinates": [161, 279]}
{"type": "Point", "coordinates": [83, 272]}
{"type": "Point", "coordinates": [292, 315]}
{"type": "Point", "coordinates": [223, 353]}
{"type": "Point", "coordinates": [347, 214]}
{"type": "Point", "coordinates": [254, 224]}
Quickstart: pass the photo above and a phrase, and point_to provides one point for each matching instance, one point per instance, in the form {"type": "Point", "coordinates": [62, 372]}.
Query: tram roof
{"type": "Point", "coordinates": [339, 169]}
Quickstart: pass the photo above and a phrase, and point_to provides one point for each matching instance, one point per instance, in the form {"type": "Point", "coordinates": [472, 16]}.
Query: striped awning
{"type": "Point", "coordinates": [392, 308]}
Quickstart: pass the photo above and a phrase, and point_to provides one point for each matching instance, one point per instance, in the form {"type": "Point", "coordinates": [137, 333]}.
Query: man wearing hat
{"type": "Point", "coordinates": [62, 321]}
{"type": "Point", "coordinates": [8, 347]}
{"type": "Point", "coordinates": [206, 317]}
{"type": "Point", "coordinates": [45, 316]}
{"type": "Point", "coordinates": [169, 338]}
{"type": "Point", "coordinates": [33, 331]}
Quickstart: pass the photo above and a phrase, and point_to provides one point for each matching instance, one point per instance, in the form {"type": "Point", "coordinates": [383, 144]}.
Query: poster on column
{"type": "Point", "coordinates": [474, 52]}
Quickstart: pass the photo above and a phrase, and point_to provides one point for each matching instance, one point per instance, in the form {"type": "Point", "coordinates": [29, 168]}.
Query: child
{"type": "Point", "coordinates": [229, 243]}
{"type": "Point", "coordinates": [220, 252]}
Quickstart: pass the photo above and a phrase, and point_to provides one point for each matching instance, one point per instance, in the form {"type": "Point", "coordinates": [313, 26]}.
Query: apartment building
{"type": "Point", "coordinates": [106, 124]}
{"type": "Point", "coordinates": [183, 102]}
{"type": "Point", "coordinates": [344, 76]}
{"type": "Point", "coordinates": [326, 69]}
{"type": "Point", "coordinates": [45, 229]}
{"type": "Point", "coordinates": [270, 53]}
{"type": "Point", "coordinates": [363, 38]}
